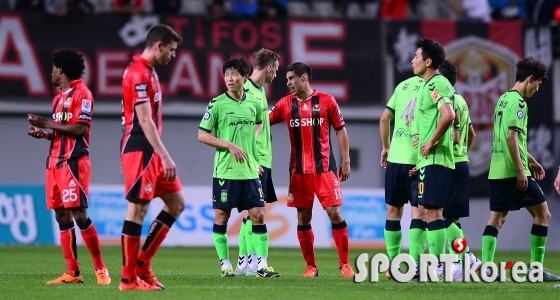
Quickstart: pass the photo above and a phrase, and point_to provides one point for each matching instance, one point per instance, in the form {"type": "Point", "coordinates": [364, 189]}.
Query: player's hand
{"type": "Point", "coordinates": [237, 152]}
{"type": "Point", "coordinates": [415, 140]}
{"type": "Point", "coordinates": [538, 170]}
{"type": "Point", "coordinates": [557, 182]}
{"type": "Point", "coordinates": [169, 168]}
{"type": "Point", "coordinates": [37, 121]}
{"type": "Point", "coordinates": [412, 172]}
{"type": "Point", "coordinates": [384, 154]}
{"type": "Point", "coordinates": [261, 171]}
{"type": "Point", "coordinates": [344, 171]}
{"type": "Point", "coordinates": [37, 133]}
{"type": "Point", "coordinates": [522, 181]}
{"type": "Point", "coordinates": [427, 147]}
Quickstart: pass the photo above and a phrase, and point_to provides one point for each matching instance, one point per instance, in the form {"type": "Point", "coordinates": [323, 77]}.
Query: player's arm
{"type": "Point", "coordinates": [384, 132]}
{"type": "Point", "coordinates": [275, 115]}
{"type": "Point", "coordinates": [470, 137]}
{"type": "Point", "coordinates": [456, 129]}
{"type": "Point", "coordinates": [344, 145]}
{"type": "Point", "coordinates": [207, 138]}
{"type": "Point", "coordinates": [447, 115]}
{"type": "Point", "coordinates": [513, 146]}
{"type": "Point", "coordinates": [74, 130]}
{"type": "Point", "coordinates": [538, 170]}
{"type": "Point", "coordinates": [144, 114]}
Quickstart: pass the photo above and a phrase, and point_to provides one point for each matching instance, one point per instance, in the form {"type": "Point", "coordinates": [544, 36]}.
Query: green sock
{"type": "Point", "coordinates": [393, 237]}
{"type": "Point", "coordinates": [538, 244]}
{"type": "Point", "coordinates": [436, 235]}
{"type": "Point", "coordinates": [249, 237]}
{"type": "Point", "coordinates": [453, 231]}
{"type": "Point", "coordinates": [221, 244]}
{"type": "Point", "coordinates": [489, 243]}
{"type": "Point", "coordinates": [260, 240]}
{"type": "Point", "coordinates": [416, 239]}
{"type": "Point", "coordinates": [242, 241]}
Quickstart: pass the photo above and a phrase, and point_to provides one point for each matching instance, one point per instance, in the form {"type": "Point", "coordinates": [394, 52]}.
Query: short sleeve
{"type": "Point", "coordinates": [82, 107]}
{"type": "Point", "coordinates": [210, 118]}
{"type": "Point", "coordinates": [516, 116]}
{"type": "Point", "coordinates": [335, 116]}
{"type": "Point", "coordinates": [276, 114]}
{"type": "Point", "coordinates": [140, 84]}
{"type": "Point", "coordinates": [392, 101]}
{"type": "Point", "coordinates": [440, 93]}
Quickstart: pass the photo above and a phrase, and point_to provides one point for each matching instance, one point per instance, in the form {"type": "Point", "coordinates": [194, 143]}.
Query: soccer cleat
{"type": "Point", "coordinates": [103, 276]}
{"type": "Point", "coordinates": [228, 272]}
{"type": "Point", "coordinates": [548, 277]}
{"type": "Point", "coordinates": [457, 271]}
{"type": "Point", "coordinates": [138, 285]}
{"type": "Point", "coordinates": [267, 272]}
{"type": "Point", "coordinates": [66, 278]}
{"type": "Point", "coordinates": [347, 271]}
{"type": "Point", "coordinates": [473, 260]}
{"type": "Point", "coordinates": [240, 271]}
{"type": "Point", "coordinates": [147, 275]}
{"type": "Point", "coordinates": [250, 272]}
{"type": "Point", "coordinates": [310, 271]}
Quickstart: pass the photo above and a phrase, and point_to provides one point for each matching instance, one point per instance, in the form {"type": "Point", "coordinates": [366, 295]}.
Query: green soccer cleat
{"type": "Point", "coordinates": [228, 272]}
{"type": "Point", "coordinates": [267, 272]}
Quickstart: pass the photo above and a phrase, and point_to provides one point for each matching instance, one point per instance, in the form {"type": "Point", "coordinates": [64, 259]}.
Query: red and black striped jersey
{"type": "Point", "coordinates": [309, 122]}
{"type": "Point", "coordinates": [75, 106]}
{"type": "Point", "coordinates": [140, 84]}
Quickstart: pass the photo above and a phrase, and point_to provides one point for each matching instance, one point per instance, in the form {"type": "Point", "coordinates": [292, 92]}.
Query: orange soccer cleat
{"type": "Point", "coordinates": [147, 274]}
{"type": "Point", "coordinates": [347, 271]}
{"type": "Point", "coordinates": [102, 276]}
{"type": "Point", "coordinates": [310, 271]}
{"type": "Point", "coordinates": [66, 278]}
{"type": "Point", "coordinates": [138, 285]}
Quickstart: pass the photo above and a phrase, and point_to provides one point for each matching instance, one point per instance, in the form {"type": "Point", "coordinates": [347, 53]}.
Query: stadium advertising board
{"type": "Point", "coordinates": [23, 216]}
{"type": "Point", "coordinates": [340, 53]}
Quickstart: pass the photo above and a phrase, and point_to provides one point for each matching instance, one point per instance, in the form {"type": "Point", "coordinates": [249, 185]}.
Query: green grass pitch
{"type": "Point", "coordinates": [194, 273]}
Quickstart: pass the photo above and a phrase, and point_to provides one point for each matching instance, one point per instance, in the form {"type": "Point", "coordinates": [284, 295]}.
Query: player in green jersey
{"type": "Point", "coordinates": [512, 186]}
{"type": "Point", "coordinates": [457, 205]}
{"type": "Point", "coordinates": [236, 120]}
{"type": "Point", "coordinates": [435, 162]}
{"type": "Point", "coordinates": [265, 65]}
{"type": "Point", "coordinates": [398, 157]}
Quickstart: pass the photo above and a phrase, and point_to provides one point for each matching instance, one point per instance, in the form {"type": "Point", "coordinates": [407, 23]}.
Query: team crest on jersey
{"type": "Point", "coordinates": [290, 197]}
{"type": "Point", "coordinates": [148, 188]}
{"type": "Point", "coordinates": [520, 114]}
{"type": "Point", "coordinates": [67, 102]}
{"type": "Point", "coordinates": [316, 108]}
{"type": "Point", "coordinates": [435, 95]}
{"type": "Point", "coordinates": [206, 116]}
{"type": "Point", "coordinates": [86, 106]}
{"type": "Point", "coordinates": [223, 196]}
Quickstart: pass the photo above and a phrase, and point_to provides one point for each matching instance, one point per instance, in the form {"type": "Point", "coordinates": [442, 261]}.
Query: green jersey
{"type": "Point", "coordinates": [234, 121]}
{"type": "Point", "coordinates": [264, 142]}
{"type": "Point", "coordinates": [510, 114]}
{"type": "Point", "coordinates": [462, 109]}
{"type": "Point", "coordinates": [436, 92]}
{"type": "Point", "coordinates": [402, 104]}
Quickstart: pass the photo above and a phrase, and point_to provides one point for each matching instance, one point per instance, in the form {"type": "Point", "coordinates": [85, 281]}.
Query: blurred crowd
{"type": "Point", "coordinates": [535, 11]}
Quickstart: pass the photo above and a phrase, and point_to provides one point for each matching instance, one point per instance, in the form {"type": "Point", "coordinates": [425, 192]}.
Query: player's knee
{"type": "Point", "coordinates": [543, 218]}
{"type": "Point", "coordinates": [257, 217]}
{"type": "Point", "coordinates": [62, 216]}
{"type": "Point", "coordinates": [80, 217]}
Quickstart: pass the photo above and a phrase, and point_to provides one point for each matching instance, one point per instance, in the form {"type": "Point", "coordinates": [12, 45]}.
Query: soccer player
{"type": "Point", "coordinates": [309, 114]}
{"type": "Point", "coordinates": [457, 205]}
{"type": "Point", "coordinates": [435, 162]}
{"type": "Point", "coordinates": [68, 164]}
{"type": "Point", "coordinates": [149, 171]}
{"type": "Point", "coordinates": [400, 186]}
{"type": "Point", "coordinates": [512, 186]}
{"type": "Point", "coordinates": [265, 65]}
{"type": "Point", "coordinates": [236, 119]}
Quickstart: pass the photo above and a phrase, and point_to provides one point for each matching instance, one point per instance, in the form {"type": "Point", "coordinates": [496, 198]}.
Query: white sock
{"type": "Point", "coordinates": [253, 263]}
{"type": "Point", "coordinates": [242, 262]}
{"type": "Point", "coordinates": [262, 263]}
{"type": "Point", "coordinates": [225, 263]}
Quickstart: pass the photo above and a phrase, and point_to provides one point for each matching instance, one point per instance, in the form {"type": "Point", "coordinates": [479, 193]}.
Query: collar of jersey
{"type": "Point", "coordinates": [312, 94]}
{"type": "Point", "coordinates": [242, 98]}
{"type": "Point", "coordinates": [522, 100]}
{"type": "Point", "coordinates": [140, 59]}
{"type": "Point", "coordinates": [436, 74]}
{"type": "Point", "coordinates": [73, 84]}
{"type": "Point", "coordinates": [254, 84]}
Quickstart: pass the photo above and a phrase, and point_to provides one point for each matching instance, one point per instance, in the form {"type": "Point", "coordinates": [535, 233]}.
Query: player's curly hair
{"type": "Point", "coordinates": [530, 66]}
{"type": "Point", "coordinates": [263, 58]}
{"type": "Point", "coordinates": [239, 64]}
{"type": "Point", "coordinates": [71, 62]}
{"type": "Point", "coordinates": [162, 33]}
{"type": "Point", "coordinates": [431, 49]}
{"type": "Point", "coordinates": [449, 71]}
{"type": "Point", "coordinates": [299, 69]}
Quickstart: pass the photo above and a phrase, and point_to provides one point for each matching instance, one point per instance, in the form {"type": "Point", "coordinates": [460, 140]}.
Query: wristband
{"type": "Point", "coordinates": [457, 128]}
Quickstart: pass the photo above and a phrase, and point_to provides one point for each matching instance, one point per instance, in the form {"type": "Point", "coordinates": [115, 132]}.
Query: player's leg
{"type": "Point", "coordinates": [79, 171]}
{"type": "Point", "coordinates": [63, 217]}
{"type": "Point", "coordinates": [301, 196]}
{"type": "Point", "coordinates": [417, 230]}
{"type": "Point", "coordinates": [502, 192]}
{"type": "Point", "coordinates": [253, 196]}
{"type": "Point", "coordinates": [327, 188]}
{"type": "Point", "coordinates": [226, 194]}
{"type": "Point", "coordinates": [140, 172]}
{"type": "Point", "coordinates": [242, 259]}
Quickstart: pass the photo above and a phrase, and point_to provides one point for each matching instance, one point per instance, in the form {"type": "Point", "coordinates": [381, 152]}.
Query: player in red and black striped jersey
{"type": "Point", "coordinates": [68, 164]}
{"type": "Point", "coordinates": [309, 115]}
{"type": "Point", "coordinates": [148, 169]}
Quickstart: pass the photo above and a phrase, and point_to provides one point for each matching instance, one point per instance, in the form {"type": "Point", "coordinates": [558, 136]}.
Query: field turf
{"type": "Point", "coordinates": [194, 273]}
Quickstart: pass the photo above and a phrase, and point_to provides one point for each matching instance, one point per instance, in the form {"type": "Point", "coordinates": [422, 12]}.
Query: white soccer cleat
{"type": "Point", "coordinates": [457, 271]}
{"type": "Point", "coordinates": [474, 261]}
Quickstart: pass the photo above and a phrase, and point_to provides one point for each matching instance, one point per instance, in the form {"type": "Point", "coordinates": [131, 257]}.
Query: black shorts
{"type": "Point", "coordinates": [504, 195]}
{"type": "Point", "coordinates": [433, 185]}
{"type": "Point", "coordinates": [267, 186]}
{"type": "Point", "coordinates": [400, 188]}
{"type": "Point", "coordinates": [457, 205]}
{"type": "Point", "coordinates": [241, 194]}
